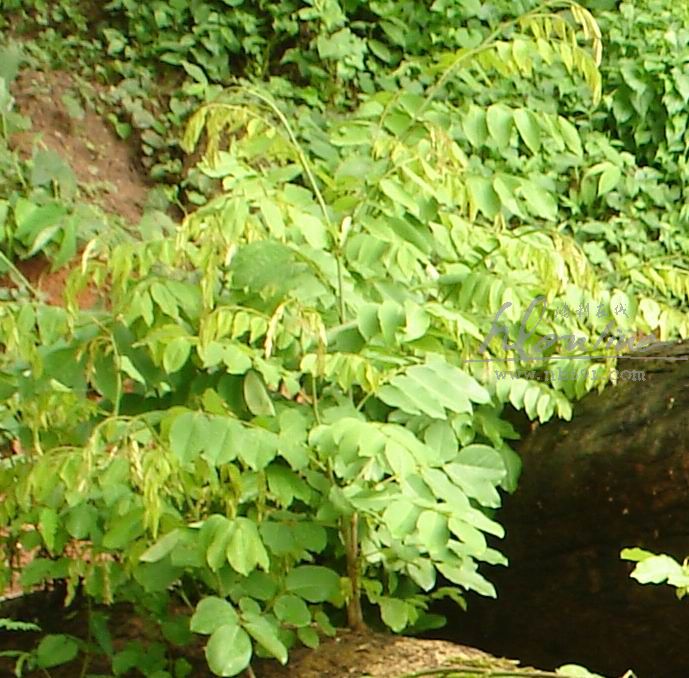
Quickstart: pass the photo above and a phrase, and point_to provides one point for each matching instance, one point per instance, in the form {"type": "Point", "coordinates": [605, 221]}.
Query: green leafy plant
{"type": "Point", "coordinates": [39, 211]}
{"type": "Point", "coordinates": [658, 569]}
{"type": "Point", "coordinates": [52, 650]}
{"type": "Point", "coordinates": [278, 402]}
{"type": "Point", "coordinates": [278, 413]}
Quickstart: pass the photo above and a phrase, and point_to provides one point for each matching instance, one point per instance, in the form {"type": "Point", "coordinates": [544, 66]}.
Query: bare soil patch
{"type": "Point", "coordinates": [107, 168]}
{"type": "Point", "coordinates": [51, 284]}
{"type": "Point", "coordinates": [105, 165]}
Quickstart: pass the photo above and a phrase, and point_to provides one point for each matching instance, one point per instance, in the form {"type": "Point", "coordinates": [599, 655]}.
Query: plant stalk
{"type": "Point", "coordinates": [355, 616]}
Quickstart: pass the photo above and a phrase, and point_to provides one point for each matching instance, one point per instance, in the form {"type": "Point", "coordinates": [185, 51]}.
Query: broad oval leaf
{"type": "Point", "coordinates": [291, 609]}
{"type": "Point", "coordinates": [529, 130]}
{"type": "Point", "coordinates": [313, 583]}
{"type": "Point", "coordinates": [499, 121]}
{"type": "Point", "coordinates": [265, 634]}
{"type": "Point", "coordinates": [245, 550]}
{"type": "Point", "coordinates": [56, 649]}
{"type": "Point", "coordinates": [229, 650]}
{"type": "Point", "coordinates": [162, 547]}
{"type": "Point", "coordinates": [256, 395]}
{"type": "Point", "coordinates": [211, 613]}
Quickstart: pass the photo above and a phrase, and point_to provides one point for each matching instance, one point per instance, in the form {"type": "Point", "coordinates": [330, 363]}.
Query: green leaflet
{"type": "Point", "coordinates": [228, 650]}
{"type": "Point", "coordinates": [499, 121]}
{"type": "Point", "coordinates": [257, 398]}
{"type": "Point", "coordinates": [313, 583]}
{"type": "Point", "coordinates": [529, 129]}
{"type": "Point", "coordinates": [433, 390]}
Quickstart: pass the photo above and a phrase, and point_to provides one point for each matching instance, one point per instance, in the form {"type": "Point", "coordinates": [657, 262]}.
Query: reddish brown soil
{"type": "Point", "coordinates": [106, 167]}
{"type": "Point", "coordinates": [52, 283]}
{"type": "Point", "coordinates": [98, 157]}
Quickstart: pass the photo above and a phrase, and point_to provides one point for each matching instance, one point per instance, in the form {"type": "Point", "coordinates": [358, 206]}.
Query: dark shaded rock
{"type": "Point", "coordinates": [617, 475]}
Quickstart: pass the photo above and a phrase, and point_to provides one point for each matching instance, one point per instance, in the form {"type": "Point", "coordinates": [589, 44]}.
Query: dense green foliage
{"type": "Point", "coordinates": [279, 409]}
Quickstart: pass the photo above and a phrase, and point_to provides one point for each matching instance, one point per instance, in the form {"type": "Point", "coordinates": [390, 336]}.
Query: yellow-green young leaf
{"type": "Point", "coordinates": [531, 396]}
{"type": "Point", "coordinates": [391, 317]}
{"type": "Point", "coordinates": [223, 434]}
{"type": "Point", "coordinates": [312, 228]}
{"type": "Point", "coordinates": [196, 72]}
{"type": "Point", "coordinates": [570, 135]}
{"type": "Point", "coordinates": [235, 359]}
{"type": "Point", "coordinates": [256, 395]}
{"type": "Point", "coordinates": [188, 435]}
{"type": "Point", "coordinates": [623, 309]}
{"type": "Point", "coordinates": [273, 218]}
{"type": "Point", "coordinates": [506, 187]}
{"type": "Point", "coordinates": [397, 394]}
{"type": "Point", "coordinates": [193, 130]}
{"type": "Point", "coordinates": [33, 221]}
{"type": "Point", "coordinates": [400, 460]}
{"type": "Point", "coordinates": [650, 312]}
{"type": "Point", "coordinates": [539, 201]}
{"type": "Point", "coordinates": [257, 447]}
{"type": "Point", "coordinates": [367, 321]}
{"type": "Point", "coordinates": [47, 526]}
{"type": "Point", "coordinates": [517, 388]}
{"type": "Point", "coordinates": [636, 554]}
{"type": "Point", "coordinates": [422, 571]}
{"type": "Point", "coordinates": [545, 407]}
{"type": "Point", "coordinates": [228, 651]}
{"type": "Point", "coordinates": [528, 127]}
{"type": "Point", "coordinates": [396, 192]}
{"type": "Point", "coordinates": [81, 520]}
{"type": "Point", "coordinates": [478, 470]}
{"type": "Point", "coordinates": [575, 671]}
{"type": "Point", "coordinates": [472, 537]}
{"type": "Point", "coordinates": [609, 179]}
{"type": "Point", "coordinates": [417, 321]}
{"type": "Point", "coordinates": [162, 547]}
{"type": "Point", "coordinates": [482, 197]}
{"type": "Point", "coordinates": [215, 536]}
{"type": "Point", "coordinates": [433, 531]}
{"type": "Point", "coordinates": [419, 237]}
{"type": "Point", "coordinates": [467, 577]}
{"type": "Point", "coordinates": [499, 122]}
{"type": "Point", "coordinates": [522, 55]}
{"type": "Point", "coordinates": [441, 438]}
{"type": "Point", "coordinates": [122, 530]}
{"type": "Point", "coordinates": [164, 299]}
{"type": "Point", "coordinates": [658, 569]}
{"type": "Point", "coordinates": [482, 522]}
{"type": "Point", "coordinates": [401, 516]}
{"type": "Point", "coordinates": [474, 126]}
{"type": "Point", "coordinates": [176, 354]}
